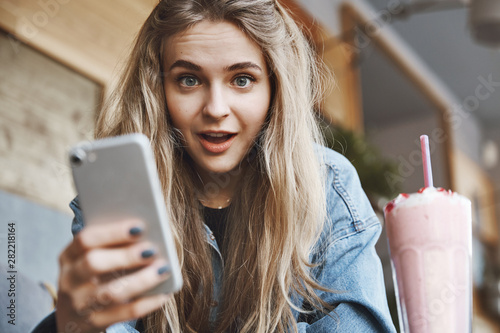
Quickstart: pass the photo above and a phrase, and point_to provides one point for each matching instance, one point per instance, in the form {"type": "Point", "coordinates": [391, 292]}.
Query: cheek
{"type": "Point", "coordinates": [256, 116]}
{"type": "Point", "coordinates": [179, 111]}
{"type": "Point", "coordinates": [175, 115]}
{"type": "Point", "coordinates": [254, 121]}
{"type": "Point", "coordinates": [175, 118]}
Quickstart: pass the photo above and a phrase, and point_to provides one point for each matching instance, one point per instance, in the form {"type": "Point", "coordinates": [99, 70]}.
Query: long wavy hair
{"type": "Point", "coordinates": [278, 211]}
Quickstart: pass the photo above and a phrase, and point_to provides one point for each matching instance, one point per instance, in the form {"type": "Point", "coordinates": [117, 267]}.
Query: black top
{"type": "Point", "coordinates": [216, 220]}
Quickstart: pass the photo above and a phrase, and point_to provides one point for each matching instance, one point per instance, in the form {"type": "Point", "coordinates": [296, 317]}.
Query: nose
{"type": "Point", "coordinates": [216, 104]}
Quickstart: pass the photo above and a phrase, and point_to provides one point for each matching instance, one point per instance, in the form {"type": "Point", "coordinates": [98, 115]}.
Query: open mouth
{"type": "Point", "coordinates": [217, 138]}
{"type": "Point", "coordinates": [216, 142]}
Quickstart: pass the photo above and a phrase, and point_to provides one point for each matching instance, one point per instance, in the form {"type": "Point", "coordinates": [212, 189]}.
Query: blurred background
{"type": "Point", "coordinates": [402, 68]}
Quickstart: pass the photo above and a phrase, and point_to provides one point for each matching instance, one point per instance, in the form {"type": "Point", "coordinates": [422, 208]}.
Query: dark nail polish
{"type": "Point", "coordinates": [147, 253]}
{"type": "Point", "coordinates": [164, 269]}
{"type": "Point", "coordinates": [135, 231]}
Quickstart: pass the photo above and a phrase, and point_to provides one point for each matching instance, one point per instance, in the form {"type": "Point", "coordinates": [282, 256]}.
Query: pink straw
{"type": "Point", "coordinates": [426, 159]}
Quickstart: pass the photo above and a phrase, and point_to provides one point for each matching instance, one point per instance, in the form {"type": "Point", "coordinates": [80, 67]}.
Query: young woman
{"type": "Point", "coordinates": [273, 231]}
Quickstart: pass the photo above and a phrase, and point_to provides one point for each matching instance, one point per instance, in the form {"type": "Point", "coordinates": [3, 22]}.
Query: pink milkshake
{"type": "Point", "coordinates": [430, 243]}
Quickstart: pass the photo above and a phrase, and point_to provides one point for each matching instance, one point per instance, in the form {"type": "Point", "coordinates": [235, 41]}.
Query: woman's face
{"type": "Point", "coordinates": [218, 93]}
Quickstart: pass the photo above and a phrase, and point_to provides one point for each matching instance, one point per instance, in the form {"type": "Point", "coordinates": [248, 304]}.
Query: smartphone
{"type": "Point", "coordinates": [116, 179]}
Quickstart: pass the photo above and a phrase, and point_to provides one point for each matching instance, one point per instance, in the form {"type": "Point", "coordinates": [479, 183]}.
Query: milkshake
{"type": "Point", "coordinates": [429, 236]}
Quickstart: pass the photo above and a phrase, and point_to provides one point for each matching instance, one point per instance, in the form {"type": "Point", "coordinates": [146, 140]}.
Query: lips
{"type": "Point", "coordinates": [216, 142]}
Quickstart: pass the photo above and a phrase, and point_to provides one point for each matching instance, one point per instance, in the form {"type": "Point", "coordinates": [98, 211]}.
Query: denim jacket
{"type": "Point", "coordinates": [346, 258]}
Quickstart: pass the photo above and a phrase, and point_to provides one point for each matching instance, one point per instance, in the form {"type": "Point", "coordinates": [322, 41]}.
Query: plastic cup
{"type": "Point", "coordinates": [430, 241]}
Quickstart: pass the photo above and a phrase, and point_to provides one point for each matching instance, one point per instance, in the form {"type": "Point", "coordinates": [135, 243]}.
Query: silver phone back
{"type": "Point", "coordinates": [116, 179]}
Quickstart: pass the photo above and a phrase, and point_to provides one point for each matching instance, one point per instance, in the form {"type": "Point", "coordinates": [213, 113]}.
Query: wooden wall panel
{"type": "Point", "coordinates": [342, 104]}
{"type": "Point", "coordinates": [472, 182]}
{"type": "Point", "coordinates": [44, 109]}
{"type": "Point", "coordinates": [90, 36]}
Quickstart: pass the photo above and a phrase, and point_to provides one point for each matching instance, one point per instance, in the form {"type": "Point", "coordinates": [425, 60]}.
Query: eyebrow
{"type": "Point", "coordinates": [238, 66]}
{"type": "Point", "coordinates": [185, 64]}
{"type": "Point", "coordinates": [243, 65]}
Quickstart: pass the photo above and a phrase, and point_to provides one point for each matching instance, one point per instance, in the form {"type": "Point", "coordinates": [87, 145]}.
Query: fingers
{"type": "Point", "coordinates": [99, 305]}
{"type": "Point", "coordinates": [103, 274]}
{"type": "Point", "coordinates": [97, 319]}
{"type": "Point", "coordinates": [120, 290]}
{"type": "Point", "coordinates": [100, 261]}
{"type": "Point", "coordinates": [104, 235]}
{"type": "Point", "coordinates": [133, 310]}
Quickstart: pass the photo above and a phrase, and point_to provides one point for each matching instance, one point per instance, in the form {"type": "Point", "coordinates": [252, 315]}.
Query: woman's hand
{"type": "Point", "coordinates": [93, 291]}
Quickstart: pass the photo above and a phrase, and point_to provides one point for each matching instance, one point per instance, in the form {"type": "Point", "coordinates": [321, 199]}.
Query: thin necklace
{"type": "Point", "coordinates": [207, 202]}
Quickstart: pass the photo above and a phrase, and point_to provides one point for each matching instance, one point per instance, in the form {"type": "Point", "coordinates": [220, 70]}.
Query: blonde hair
{"type": "Point", "coordinates": [277, 214]}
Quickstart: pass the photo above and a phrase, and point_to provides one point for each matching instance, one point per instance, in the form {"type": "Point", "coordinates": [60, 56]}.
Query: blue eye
{"type": "Point", "coordinates": [188, 81]}
{"type": "Point", "coordinates": [243, 81]}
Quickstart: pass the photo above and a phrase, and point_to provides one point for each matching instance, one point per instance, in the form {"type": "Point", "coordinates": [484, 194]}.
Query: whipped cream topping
{"type": "Point", "coordinates": [424, 195]}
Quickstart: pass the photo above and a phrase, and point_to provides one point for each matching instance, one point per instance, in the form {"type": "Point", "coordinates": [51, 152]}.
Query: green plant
{"type": "Point", "coordinates": [366, 158]}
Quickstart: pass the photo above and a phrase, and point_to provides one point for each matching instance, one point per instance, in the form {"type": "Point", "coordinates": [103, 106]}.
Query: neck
{"type": "Point", "coordinates": [217, 189]}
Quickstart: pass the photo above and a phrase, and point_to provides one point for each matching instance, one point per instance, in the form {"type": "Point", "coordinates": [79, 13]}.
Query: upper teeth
{"type": "Point", "coordinates": [216, 135]}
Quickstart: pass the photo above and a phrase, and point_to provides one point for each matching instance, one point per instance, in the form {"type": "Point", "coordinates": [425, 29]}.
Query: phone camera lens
{"type": "Point", "coordinates": [77, 157]}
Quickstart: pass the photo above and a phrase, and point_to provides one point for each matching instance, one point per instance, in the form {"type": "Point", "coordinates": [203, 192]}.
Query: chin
{"type": "Point", "coordinates": [222, 170]}
{"type": "Point", "coordinates": [222, 167]}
